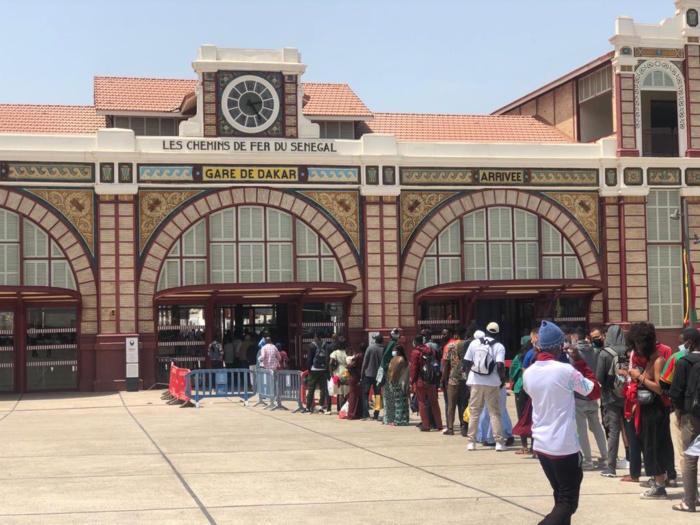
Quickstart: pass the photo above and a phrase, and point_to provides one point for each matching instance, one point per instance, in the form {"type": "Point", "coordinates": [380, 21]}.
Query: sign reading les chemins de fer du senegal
{"type": "Point", "coordinates": [501, 176]}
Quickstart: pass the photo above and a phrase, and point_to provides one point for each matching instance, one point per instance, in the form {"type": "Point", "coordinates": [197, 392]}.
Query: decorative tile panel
{"type": "Point", "coordinates": [126, 175]}
{"type": "Point", "coordinates": [76, 206]}
{"type": "Point", "coordinates": [664, 176]}
{"type": "Point", "coordinates": [165, 173]}
{"type": "Point", "coordinates": [654, 52]}
{"type": "Point", "coordinates": [633, 176]}
{"type": "Point", "coordinates": [48, 172]}
{"type": "Point", "coordinates": [583, 206]}
{"type": "Point", "coordinates": [337, 175]}
{"type": "Point", "coordinates": [436, 176]}
{"type": "Point", "coordinates": [107, 172]}
{"type": "Point", "coordinates": [155, 206]}
{"type": "Point", "coordinates": [548, 177]}
{"type": "Point", "coordinates": [692, 176]}
{"type": "Point", "coordinates": [416, 206]}
{"type": "Point", "coordinates": [344, 206]}
{"type": "Point", "coordinates": [389, 175]}
{"type": "Point", "coordinates": [372, 175]}
{"type": "Point", "coordinates": [611, 177]}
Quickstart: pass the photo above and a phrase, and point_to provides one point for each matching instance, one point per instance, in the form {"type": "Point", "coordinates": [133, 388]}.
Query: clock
{"type": "Point", "coordinates": [250, 104]}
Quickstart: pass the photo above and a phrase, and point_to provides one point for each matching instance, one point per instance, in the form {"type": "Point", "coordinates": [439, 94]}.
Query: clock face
{"type": "Point", "coordinates": [250, 104]}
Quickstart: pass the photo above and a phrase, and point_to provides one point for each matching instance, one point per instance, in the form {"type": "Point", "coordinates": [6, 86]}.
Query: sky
{"type": "Point", "coordinates": [415, 56]}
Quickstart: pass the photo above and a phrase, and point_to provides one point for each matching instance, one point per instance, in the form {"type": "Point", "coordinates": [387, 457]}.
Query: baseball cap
{"type": "Point", "coordinates": [493, 328]}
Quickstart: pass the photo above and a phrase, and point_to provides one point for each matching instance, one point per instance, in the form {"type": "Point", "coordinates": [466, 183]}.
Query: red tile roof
{"type": "Point", "coordinates": [49, 119]}
{"type": "Point", "coordinates": [336, 100]}
{"type": "Point", "coordinates": [141, 94]}
{"type": "Point", "coordinates": [415, 127]}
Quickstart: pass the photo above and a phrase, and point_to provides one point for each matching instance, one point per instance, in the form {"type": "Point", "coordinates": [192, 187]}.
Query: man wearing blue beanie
{"type": "Point", "coordinates": [551, 385]}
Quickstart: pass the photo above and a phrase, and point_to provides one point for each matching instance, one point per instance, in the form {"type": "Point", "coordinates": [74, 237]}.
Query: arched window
{"type": "Point", "coordinates": [41, 261]}
{"type": "Point", "coordinates": [249, 244]}
{"type": "Point", "coordinates": [499, 243]}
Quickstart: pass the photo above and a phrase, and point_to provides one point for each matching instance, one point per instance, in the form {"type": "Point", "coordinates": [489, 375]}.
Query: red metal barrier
{"type": "Point", "coordinates": [178, 385]}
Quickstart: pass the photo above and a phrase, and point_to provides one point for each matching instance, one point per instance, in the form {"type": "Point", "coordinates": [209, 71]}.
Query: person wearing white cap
{"type": "Point", "coordinates": [551, 386]}
{"type": "Point", "coordinates": [484, 364]}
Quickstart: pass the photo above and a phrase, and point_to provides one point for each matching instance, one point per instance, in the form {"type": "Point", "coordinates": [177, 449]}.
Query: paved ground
{"type": "Point", "coordinates": [129, 458]}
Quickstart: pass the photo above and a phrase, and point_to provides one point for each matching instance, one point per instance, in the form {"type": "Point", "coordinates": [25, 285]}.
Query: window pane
{"type": "Point", "coordinates": [251, 223]}
{"type": "Point", "coordinates": [331, 272]}
{"type": "Point", "coordinates": [427, 276]}
{"type": "Point", "coordinates": [475, 261]}
{"type": "Point", "coordinates": [251, 263]}
{"type": "Point", "coordinates": [223, 225]}
{"type": "Point", "coordinates": [449, 240]}
{"type": "Point", "coordinates": [223, 263]}
{"type": "Point", "coordinates": [526, 260]}
{"type": "Point", "coordinates": [450, 271]}
{"type": "Point", "coordinates": [475, 226]}
{"type": "Point", "coordinates": [665, 286]}
{"type": "Point", "coordinates": [500, 226]}
{"type": "Point", "coordinates": [500, 260]}
{"type": "Point", "coordinates": [307, 270]}
{"type": "Point", "coordinates": [307, 240]}
{"type": "Point", "coordinates": [36, 241]}
{"type": "Point", "coordinates": [551, 239]}
{"type": "Point", "coordinates": [525, 226]}
{"type": "Point", "coordinates": [551, 268]}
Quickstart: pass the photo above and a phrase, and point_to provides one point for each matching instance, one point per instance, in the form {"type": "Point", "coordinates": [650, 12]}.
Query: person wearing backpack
{"type": "Point", "coordinates": [318, 374]}
{"type": "Point", "coordinates": [611, 360]}
{"type": "Point", "coordinates": [423, 380]}
{"type": "Point", "coordinates": [485, 369]}
{"type": "Point", "coordinates": [454, 380]}
{"type": "Point", "coordinates": [685, 395]}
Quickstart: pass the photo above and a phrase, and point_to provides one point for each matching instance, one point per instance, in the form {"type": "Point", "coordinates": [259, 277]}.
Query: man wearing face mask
{"type": "Point", "coordinates": [613, 351]}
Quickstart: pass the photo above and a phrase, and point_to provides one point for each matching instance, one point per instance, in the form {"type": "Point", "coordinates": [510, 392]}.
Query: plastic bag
{"type": "Point", "coordinates": [465, 416]}
{"type": "Point", "coordinates": [378, 402]}
{"type": "Point", "coordinates": [330, 387]}
{"type": "Point", "coordinates": [343, 414]}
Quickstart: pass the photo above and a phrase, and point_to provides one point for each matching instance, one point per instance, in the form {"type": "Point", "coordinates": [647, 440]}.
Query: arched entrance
{"type": "Point", "coordinates": [502, 255]}
{"type": "Point", "coordinates": [45, 274]}
{"type": "Point", "coordinates": [279, 266]}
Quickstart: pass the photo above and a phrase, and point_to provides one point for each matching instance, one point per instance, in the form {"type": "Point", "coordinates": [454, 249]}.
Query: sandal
{"type": "Point", "coordinates": [523, 451]}
{"type": "Point", "coordinates": [682, 507]}
{"type": "Point", "coordinates": [629, 479]}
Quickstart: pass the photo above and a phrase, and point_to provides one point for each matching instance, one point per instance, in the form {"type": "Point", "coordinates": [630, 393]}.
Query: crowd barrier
{"type": "Point", "coordinates": [265, 387]}
{"type": "Point", "coordinates": [288, 387]}
{"type": "Point", "coordinates": [178, 387]}
{"type": "Point", "coordinates": [222, 382]}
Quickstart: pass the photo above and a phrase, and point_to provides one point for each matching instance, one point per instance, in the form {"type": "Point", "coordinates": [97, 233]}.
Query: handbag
{"type": "Point", "coordinates": [645, 396]}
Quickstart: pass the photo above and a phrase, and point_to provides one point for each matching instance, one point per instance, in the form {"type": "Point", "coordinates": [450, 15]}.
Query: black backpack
{"type": "Point", "coordinates": [430, 371]}
{"type": "Point", "coordinates": [321, 357]}
{"type": "Point", "coordinates": [692, 389]}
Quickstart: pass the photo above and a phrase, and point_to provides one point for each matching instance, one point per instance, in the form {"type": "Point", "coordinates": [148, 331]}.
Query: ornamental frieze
{"type": "Point", "coordinates": [664, 176]}
{"type": "Point", "coordinates": [344, 207]}
{"type": "Point", "coordinates": [76, 206]}
{"type": "Point", "coordinates": [584, 207]}
{"type": "Point", "coordinates": [498, 177]}
{"type": "Point", "coordinates": [47, 172]}
{"type": "Point", "coordinates": [155, 206]}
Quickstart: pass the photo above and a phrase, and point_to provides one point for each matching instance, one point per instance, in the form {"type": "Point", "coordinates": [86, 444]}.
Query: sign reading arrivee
{"type": "Point", "coordinates": [251, 145]}
{"type": "Point", "coordinates": [501, 176]}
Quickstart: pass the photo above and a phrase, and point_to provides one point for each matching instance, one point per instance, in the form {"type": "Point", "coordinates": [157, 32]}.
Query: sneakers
{"type": "Point", "coordinates": [655, 492]}
{"type": "Point", "coordinates": [448, 432]}
{"type": "Point", "coordinates": [500, 447]}
{"type": "Point", "coordinates": [321, 411]}
{"type": "Point", "coordinates": [608, 473]}
{"type": "Point", "coordinates": [471, 446]}
{"type": "Point", "coordinates": [510, 441]}
{"type": "Point", "coordinates": [672, 483]}
{"type": "Point", "coordinates": [623, 464]}
{"type": "Point", "coordinates": [587, 466]}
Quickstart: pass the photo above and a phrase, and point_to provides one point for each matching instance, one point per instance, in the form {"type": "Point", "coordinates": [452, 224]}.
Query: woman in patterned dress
{"type": "Point", "coordinates": [400, 384]}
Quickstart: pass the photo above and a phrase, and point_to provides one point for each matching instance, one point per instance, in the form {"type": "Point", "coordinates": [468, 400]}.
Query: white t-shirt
{"type": "Point", "coordinates": [499, 353]}
{"type": "Point", "coordinates": [551, 385]}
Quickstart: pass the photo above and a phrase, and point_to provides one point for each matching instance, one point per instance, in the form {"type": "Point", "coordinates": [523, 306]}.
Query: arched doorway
{"type": "Point", "coordinates": [511, 257]}
{"type": "Point", "coordinates": [246, 268]}
{"type": "Point", "coordinates": [40, 308]}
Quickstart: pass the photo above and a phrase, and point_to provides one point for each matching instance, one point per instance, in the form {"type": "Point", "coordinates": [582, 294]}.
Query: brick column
{"type": "Point", "coordinates": [118, 248]}
{"type": "Point", "coordinates": [692, 78]}
{"type": "Point", "coordinates": [381, 263]}
{"type": "Point", "coordinates": [626, 121]}
{"type": "Point", "coordinates": [611, 236]}
{"type": "Point", "coordinates": [634, 306]}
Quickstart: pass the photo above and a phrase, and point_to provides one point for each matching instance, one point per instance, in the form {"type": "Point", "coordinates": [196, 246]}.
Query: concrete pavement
{"type": "Point", "coordinates": [126, 458]}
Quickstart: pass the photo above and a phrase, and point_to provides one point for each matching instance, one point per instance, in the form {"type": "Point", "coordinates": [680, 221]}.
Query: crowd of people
{"type": "Point", "coordinates": [621, 388]}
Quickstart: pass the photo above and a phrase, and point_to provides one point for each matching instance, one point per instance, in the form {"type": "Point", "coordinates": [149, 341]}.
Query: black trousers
{"type": "Point", "coordinates": [657, 445]}
{"type": "Point", "coordinates": [565, 476]}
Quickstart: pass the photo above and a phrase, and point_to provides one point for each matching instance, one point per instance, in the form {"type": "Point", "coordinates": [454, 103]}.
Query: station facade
{"type": "Point", "coordinates": [178, 211]}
